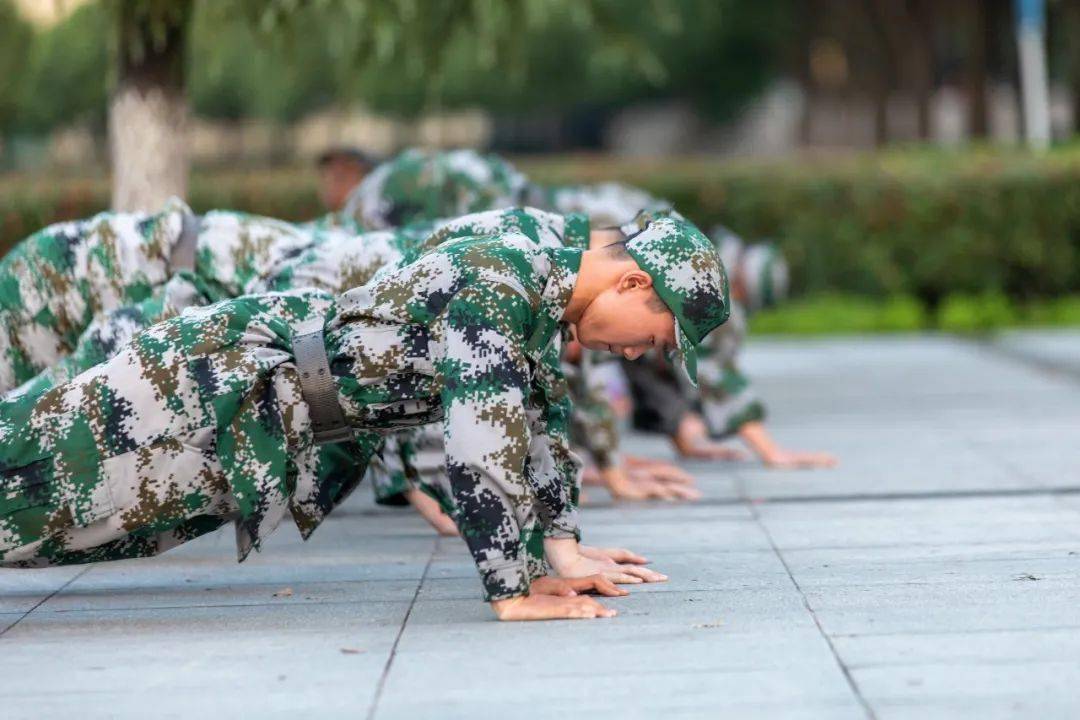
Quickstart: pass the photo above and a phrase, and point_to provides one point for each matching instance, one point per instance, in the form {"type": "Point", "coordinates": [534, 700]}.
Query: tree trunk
{"type": "Point", "coordinates": [1071, 13]}
{"type": "Point", "coordinates": [921, 57]}
{"type": "Point", "coordinates": [149, 110]}
{"type": "Point", "coordinates": [980, 34]}
{"type": "Point", "coordinates": [885, 75]}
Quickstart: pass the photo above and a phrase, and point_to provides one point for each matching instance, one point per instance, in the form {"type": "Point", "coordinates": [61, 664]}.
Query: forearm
{"type": "Point", "coordinates": [757, 438]}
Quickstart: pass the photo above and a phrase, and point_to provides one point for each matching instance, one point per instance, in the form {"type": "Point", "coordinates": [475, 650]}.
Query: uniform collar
{"type": "Point", "coordinates": [576, 230]}
{"type": "Point", "coordinates": [565, 263]}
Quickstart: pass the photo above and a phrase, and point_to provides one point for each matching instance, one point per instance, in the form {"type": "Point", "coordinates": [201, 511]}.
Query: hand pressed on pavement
{"type": "Point", "coordinates": [692, 441]}
{"type": "Point", "coordinates": [761, 442]}
{"type": "Point", "coordinates": [550, 607]}
{"type": "Point", "coordinates": [570, 587]}
{"type": "Point", "coordinates": [565, 557]}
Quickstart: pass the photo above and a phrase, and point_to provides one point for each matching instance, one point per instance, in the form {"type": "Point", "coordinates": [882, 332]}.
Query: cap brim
{"type": "Point", "coordinates": [685, 354]}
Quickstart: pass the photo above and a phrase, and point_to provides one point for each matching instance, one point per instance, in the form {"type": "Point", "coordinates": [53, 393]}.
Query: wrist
{"type": "Point", "coordinates": [506, 605]}
{"type": "Point", "coordinates": [561, 552]}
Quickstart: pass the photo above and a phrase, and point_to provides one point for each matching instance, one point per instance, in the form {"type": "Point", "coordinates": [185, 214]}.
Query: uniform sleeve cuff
{"type": "Point", "coordinates": [564, 526]}
{"type": "Point", "coordinates": [505, 581]}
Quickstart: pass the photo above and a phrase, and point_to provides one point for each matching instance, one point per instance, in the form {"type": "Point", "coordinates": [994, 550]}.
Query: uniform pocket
{"type": "Point", "coordinates": [153, 487]}
{"type": "Point", "coordinates": [25, 486]}
{"type": "Point", "coordinates": [30, 507]}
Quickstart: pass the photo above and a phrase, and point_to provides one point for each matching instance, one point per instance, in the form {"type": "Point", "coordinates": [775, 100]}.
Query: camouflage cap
{"type": "Point", "coordinates": [687, 274]}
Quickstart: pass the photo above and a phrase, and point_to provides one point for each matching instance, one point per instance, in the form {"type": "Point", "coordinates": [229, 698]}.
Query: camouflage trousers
{"type": "Point", "coordinates": [199, 421]}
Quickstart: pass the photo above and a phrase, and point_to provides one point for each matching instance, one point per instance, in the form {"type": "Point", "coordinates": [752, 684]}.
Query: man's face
{"type": "Point", "coordinates": [627, 319]}
{"type": "Point", "coordinates": [337, 178]}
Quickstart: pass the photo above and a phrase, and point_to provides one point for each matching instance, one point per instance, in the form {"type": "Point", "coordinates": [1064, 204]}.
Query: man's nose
{"type": "Point", "coordinates": [633, 353]}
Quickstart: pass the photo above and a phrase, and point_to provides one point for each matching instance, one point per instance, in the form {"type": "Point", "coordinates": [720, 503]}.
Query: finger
{"type": "Point", "coordinates": [671, 474]}
{"type": "Point", "coordinates": [622, 555]}
{"type": "Point", "coordinates": [585, 607]}
{"type": "Point", "coordinates": [687, 493]}
{"type": "Point", "coordinates": [601, 585]}
{"type": "Point", "coordinates": [608, 588]}
{"type": "Point", "coordinates": [643, 573]}
{"type": "Point", "coordinates": [622, 578]}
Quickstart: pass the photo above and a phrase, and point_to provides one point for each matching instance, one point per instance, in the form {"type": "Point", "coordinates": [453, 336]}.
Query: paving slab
{"type": "Point", "coordinates": [934, 574]}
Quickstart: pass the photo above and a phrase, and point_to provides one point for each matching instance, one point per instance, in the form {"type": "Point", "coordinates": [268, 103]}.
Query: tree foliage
{"type": "Point", "coordinates": [279, 59]}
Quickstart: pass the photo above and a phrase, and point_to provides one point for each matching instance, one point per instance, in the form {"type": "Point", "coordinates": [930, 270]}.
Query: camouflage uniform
{"type": "Point", "coordinates": [56, 283]}
{"type": "Point", "coordinates": [424, 185]}
{"type": "Point", "coordinates": [605, 204]}
{"type": "Point", "coordinates": [415, 459]}
{"type": "Point", "coordinates": [335, 262]}
{"type": "Point", "coordinates": [202, 419]}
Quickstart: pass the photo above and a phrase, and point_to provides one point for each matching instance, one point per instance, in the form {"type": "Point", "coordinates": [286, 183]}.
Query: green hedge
{"type": "Point", "coordinates": [917, 223]}
{"type": "Point", "coordinates": [833, 313]}
{"type": "Point", "coordinates": [30, 203]}
{"type": "Point", "coordinates": [920, 223]}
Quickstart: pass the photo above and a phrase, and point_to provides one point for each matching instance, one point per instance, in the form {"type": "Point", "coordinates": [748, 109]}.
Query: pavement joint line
{"type": "Point", "coordinates": [971, 631]}
{"type": "Point", "coordinates": [1045, 366]}
{"type": "Point", "coordinates": [401, 631]}
{"type": "Point", "coordinates": [848, 677]}
{"type": "Point", "coordinates": [44, 600]}
{"type": "Point", "coordinates": [145, 608]}
{"type": "Point", "coordinates": [1048, 490]}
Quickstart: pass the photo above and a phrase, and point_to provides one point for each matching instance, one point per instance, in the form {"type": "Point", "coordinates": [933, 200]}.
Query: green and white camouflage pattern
{"type": "Point", "coordinates": [335, 262]}
{"type": "Point", "coordinates": [687, 275]}
{"type": "Point", "coordinates": [605, 204]}
{"type": "Point", "coordinates": [56, 281]}
{"type": "Point", "coordinates": [759, 270]}
{"type": "Point", "coordinates": [594, 428]}
{"type": "Point", "coordinates": [55, 284]}
{"type": "Point", "coordinates": [197, 422]}
{"type": "Point", "coordinates": [724, 395]}
{"type": "Point", "coordinates": [200, 420]}
{"type": "Point", "coordinates": [422, 184]}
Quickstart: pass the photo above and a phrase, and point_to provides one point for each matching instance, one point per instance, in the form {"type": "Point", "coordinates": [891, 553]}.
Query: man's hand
{"type": "Point", "coordinates": [571, 587]}
{"type": "Point", "coordinates": [429, 509]}
{"type": "Point", "coordinates": [638, 486]}
{"type": "Point", "coordinates": [692, 441]}
{"type": "Point", "coordinates": [550, 607]}
{"type": "Point", "coordinates": [795, 460]}
{"type": "Point", "coordinates": [657, 469]}
{"type": "Point", "coordinates": [757, 437]}
{"type": "Point", "coordinates": [568, 562]}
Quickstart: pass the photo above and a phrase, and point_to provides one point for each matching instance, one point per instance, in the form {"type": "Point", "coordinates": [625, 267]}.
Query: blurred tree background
{"type": "Point", "coordinates": [766, 113]}
{"type": "Point", "coordinates": [282, 59]}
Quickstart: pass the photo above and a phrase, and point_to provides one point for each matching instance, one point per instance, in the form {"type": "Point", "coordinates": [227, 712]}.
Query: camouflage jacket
{"type": "Point", "coordinates": [200, 419]}
{"type": "Point", "coordinates": [57, 282]}
{"type": "Point", "coordinates": [725, 398]}
{"type": "Point", "coordinates": [463, 333]}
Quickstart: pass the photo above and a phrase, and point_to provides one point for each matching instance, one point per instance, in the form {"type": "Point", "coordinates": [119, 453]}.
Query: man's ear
{"type": "Point", "coordinates": [636, 279]}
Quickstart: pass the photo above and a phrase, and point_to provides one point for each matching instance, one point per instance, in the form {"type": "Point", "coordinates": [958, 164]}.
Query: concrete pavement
{"type": "Point", "coordinates": [934, 574]}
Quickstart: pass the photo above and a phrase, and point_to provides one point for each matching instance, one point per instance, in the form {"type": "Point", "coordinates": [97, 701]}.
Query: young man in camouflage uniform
{"type": "Point", "coordinates": [218, 415]}
{"type": "Point", "coordinates": [724, 404]}
{"type": "Point", "coordinates": [417, 183]}
{"type": "Point", "coordinates": [333, 260]}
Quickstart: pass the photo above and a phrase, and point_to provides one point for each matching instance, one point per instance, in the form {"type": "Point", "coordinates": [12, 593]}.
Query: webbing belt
{"type": "Point", "coordinates": [183, 253]}
{"type": "Point", "coordinates": [317, 384]}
